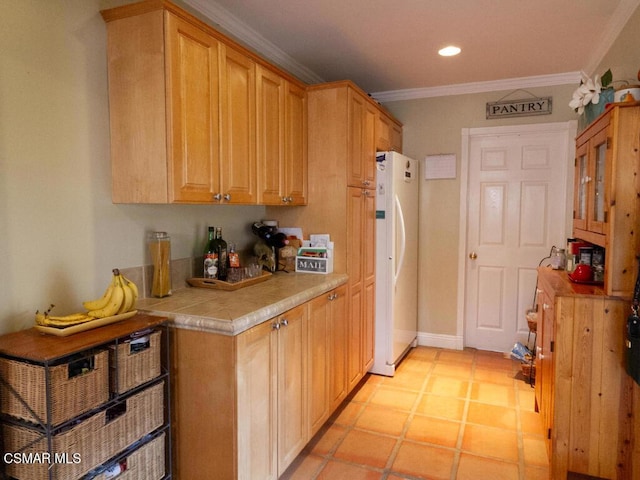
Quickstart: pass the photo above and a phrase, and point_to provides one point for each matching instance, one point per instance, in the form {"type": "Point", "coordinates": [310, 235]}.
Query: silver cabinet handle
{"type": "Point", "coordinates": [284, 322]}
{"type": "Point", "coordinates": [275, 325]}
{"type": "Point", "coordinates": [227, 197]}
{"type": "Point", "coordinates": [217, 197]}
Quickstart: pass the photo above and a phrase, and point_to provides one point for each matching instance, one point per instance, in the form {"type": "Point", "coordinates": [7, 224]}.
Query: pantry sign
{"type": "Point", "coordinates": [519, 108]}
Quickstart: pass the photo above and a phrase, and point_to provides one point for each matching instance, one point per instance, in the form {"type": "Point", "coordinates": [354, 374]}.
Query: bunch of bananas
{"type": "Point", "coordinates": [119, 297]}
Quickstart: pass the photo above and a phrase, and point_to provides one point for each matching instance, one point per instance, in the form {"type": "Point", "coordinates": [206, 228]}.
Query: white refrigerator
{"type": "Point", "coordinates": [396, 320]}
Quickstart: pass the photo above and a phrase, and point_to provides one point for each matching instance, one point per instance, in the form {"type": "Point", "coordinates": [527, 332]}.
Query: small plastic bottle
{"type": "Point", "coordinates": [160, 250]}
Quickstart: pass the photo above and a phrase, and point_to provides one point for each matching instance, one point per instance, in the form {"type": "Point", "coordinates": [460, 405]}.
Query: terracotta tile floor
{"type": "Point", "coordinates": [445, 415]}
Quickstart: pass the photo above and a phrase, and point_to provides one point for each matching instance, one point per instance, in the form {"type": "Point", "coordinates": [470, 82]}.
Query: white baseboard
{"type": "Point", "coordinates": [452, 342]}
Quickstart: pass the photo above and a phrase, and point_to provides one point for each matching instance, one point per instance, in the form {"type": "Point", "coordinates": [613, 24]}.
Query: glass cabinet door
{"type": "Point", "coordinates": [580, 189]}
{"type": "Point", "coordinates": [597, 210]}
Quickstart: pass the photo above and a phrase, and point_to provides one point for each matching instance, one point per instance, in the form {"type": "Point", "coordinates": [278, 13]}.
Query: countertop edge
{"type": "Point", "coordinates": [245, 322]}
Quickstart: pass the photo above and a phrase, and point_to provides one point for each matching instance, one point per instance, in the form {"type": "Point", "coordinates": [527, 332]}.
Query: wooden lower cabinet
{"type": "Point", "coordinates": [246, 406]}
{"type": "Point", "coordinates": [327, 356]}
{"type": "Point", "coordinates": [583, 393]}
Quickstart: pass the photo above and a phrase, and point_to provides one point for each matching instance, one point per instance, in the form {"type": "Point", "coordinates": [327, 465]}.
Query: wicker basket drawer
{"type": "Point", "coordinates": [85, 446]}
{"type": "Point", "coordinates": [76, 387]}
{"type": "Point", "coordinates": [133, 364]}
{"type": "Point", "coordinates": [146, 463]}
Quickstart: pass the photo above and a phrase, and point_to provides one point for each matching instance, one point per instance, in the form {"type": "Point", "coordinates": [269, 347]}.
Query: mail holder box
{"type": "Point", "coordinates": [314, 260]}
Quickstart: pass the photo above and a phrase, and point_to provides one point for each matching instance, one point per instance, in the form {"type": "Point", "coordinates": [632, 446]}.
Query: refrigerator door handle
{"type": "Point", "coordinates": [403, 241]}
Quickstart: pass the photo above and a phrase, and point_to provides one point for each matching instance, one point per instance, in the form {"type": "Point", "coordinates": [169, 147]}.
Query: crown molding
{"type": "Point", "coordinates": [252, 39]}
{"type": "Point", "coordinates": [479, 87]}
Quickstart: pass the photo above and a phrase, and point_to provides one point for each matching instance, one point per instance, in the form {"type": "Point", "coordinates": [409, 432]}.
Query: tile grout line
{"type": "Point", "coordinates": [463, 421]}
{"type": "Point", "coordinates": [521, 462]}
{"type": "Point", "coordinates": [402, 436]}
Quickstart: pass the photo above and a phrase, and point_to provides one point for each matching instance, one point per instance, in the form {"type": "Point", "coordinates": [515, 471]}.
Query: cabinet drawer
{"type": "Point", "coordinates": [146, 463]}
{"type": "Point", "coordinates": [77, 386]}
{"type": "Point", "coordinates": [135, 362]}
{"type": "Point", "coordinates": [88, 444]}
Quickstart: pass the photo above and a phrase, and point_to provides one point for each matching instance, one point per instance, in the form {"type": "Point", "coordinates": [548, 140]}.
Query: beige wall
{"type": "Point", "coordinates": [60, 235]}
{"type": "Point", "coordinates": [433, 126]}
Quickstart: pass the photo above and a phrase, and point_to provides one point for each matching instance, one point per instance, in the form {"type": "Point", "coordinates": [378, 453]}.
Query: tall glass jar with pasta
{"type": "Point", "coordinates": [160, 250]}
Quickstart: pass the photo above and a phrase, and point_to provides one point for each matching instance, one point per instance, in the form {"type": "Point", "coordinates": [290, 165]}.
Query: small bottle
{"type": "Point", "coordinates": [221, 250]}
{"type": "Point", "coordinates": [234, 258]}
{"type": "Point", "coordinates": [210, 256]}
{"type": "Point", "coordinates": [160, 250]}
{"type": "Point", "coordinates": [558, 259]}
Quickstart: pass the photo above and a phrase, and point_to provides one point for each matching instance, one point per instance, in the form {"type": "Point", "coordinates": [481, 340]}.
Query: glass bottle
{"type": "Point", "coordinates": [558, 259]}
{"type": "Point", "coordinates": [210, 267]}
{"type": "Point", "coordinates": [234, 258]}
{"type": "Point", "coordinates": [221, 250]}
{"type": "Point", "coordinates": [160, 250]}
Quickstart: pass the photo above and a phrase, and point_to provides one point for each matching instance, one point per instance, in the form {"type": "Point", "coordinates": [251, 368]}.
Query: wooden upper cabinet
{"type": "Point", "coordinates": [237, 127]}
{"type": "Point", "coordinates": [193, 99]}
{"type": "Point", "coordinates": [270, 91]}
{"type": "Point", "coordinates": [295, 152]}
{"type": "Point", "coordinates": [183, 114]}
{"type": "Point", "coordinates": [388, 134]}
{"type": "Point", "coordinates": [361, 125]}
{"type": "Point", "coordinates": [138, 115]}
{"type": "Point", "coordinates": [281, 139]}
{"type": "Point", "coordinates": [607, 193]}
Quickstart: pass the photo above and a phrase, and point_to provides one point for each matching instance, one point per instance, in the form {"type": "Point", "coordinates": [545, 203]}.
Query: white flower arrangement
{"type": "Point", "coordinates": [589, 91]}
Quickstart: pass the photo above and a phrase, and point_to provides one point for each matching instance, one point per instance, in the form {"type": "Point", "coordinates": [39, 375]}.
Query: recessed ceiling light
{"type": "Point", "coordinates": [449, 51]}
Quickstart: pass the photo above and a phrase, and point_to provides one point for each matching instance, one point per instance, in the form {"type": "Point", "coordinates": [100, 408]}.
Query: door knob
{"type": "Point", "coordinates": [473, 255]}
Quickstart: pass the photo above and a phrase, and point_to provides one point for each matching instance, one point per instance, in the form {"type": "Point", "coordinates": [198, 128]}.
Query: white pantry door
{"type": "Point", "coordinates": [516, 210]}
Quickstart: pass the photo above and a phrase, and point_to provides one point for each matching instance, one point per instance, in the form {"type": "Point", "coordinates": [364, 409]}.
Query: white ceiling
{"type": "Point", "coordinates": [389, 47]}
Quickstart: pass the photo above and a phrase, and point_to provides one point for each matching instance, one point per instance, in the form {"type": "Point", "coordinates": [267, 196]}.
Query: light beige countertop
{"type": "Point", "coordinates": [233, 312]}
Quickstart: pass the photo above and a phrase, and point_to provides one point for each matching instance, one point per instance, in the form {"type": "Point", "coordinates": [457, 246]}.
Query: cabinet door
{"type": "Point", "coordinates": [257, 402]}
{"type": "Point", "coordinates": [338, 347]}
{"type": "Point", "coordinates": [369, 278]}
{"type": "Point", "coordinates": [293, 424]}
{"type": "Point", "coordinates": [270, 104]}
{"type": "Point", "coordinates": [355, 236]}
{"type": "Point", "coordinates": [383, 133]}
{"type": "Point", "coordinates": [319, 360]}
{"type": "Point", "coordinates": [369, 146]}
{"type": "Point", "coordinates": [361, 123]}
{"type": "Point", "coordinates": [388, 134]}
{"type": "Point", "coordinates": [396, 137]}
{"type": "Point", "coordinates": [295, 138]}
{"type": "Point", "coordinates": [597, 207]}
{"type": "Point", "coordinates": [193, 99]}
{"type": "Point", "coordinates": [238, 149]}
{"type": "Point", "coordinates": [544, 363]}
{"type": "Point", "coordinates": [580, 188]}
